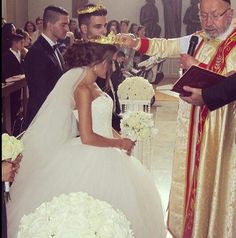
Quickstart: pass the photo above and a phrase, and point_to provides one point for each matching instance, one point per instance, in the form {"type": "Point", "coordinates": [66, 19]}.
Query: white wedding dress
{"type": "Point", "coordinates": [55, 162]}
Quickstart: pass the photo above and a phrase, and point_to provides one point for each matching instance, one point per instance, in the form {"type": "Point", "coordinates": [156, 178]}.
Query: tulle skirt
{"type": "Point", "coordinates": [105, 173]}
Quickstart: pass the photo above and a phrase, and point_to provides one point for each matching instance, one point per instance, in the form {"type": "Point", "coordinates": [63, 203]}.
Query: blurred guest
{"type": "Point", "coordinates": [27, 42]}
{"type": "Point", "coordinates": [38, 32]}
{"type": "Point", "coordinates": [7, 31]}
{"type": "Point", "coordinates": [73, 25]}
{"type": "Point", "coordinates": [30, 28]}
{"type": "Point", "coordinates": [4, 21]}
{"type": "Point", "coordinates": [113, 26]}
{"type": "Point", "coordinates": [133, 29]}
{"type": "Point", "coordinates": [124, 26]}
{"type": "Point", "coordinates": [12, 66]}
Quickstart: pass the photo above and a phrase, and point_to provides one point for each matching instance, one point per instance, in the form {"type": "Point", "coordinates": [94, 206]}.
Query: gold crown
{"type": "Point", "coordinates": [91, 9]}
{"type": "Point", "coordinates": [111, 39]}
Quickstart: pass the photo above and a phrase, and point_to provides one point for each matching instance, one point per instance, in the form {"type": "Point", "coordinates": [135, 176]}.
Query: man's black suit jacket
{"type": "Point", "coordinates": [10, 65]}
{"type": "Point", "coordinates": [220, 94]}
{"type": "Point", "coordinates": [42, 71]}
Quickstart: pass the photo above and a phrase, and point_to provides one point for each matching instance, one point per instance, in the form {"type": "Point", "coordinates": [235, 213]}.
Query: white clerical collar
{"type": "Point", "coordinates": [50, 42]}
{"type": "Point", "coordinates": [17, 54]}
{"type": "Point", "coordinates": [226, 34]}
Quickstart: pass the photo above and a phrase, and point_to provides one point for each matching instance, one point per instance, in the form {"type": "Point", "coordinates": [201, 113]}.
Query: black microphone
{"type": "Point", "coordinates": [192, 45]}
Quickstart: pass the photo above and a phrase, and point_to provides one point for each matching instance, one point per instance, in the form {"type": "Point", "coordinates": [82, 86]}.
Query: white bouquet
{"type": "Point", "coordinates": [11, 148]}
{"type": "Point", "coordinates": [137, 125]}
{"type": "Point", "coordinates": [135, 88]}
{"type": "Point", "coordinates": [75, 215]}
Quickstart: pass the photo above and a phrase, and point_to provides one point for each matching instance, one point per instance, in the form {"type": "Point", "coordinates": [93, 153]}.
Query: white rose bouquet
{"type": "Point", "coordinates": [137, 125]}
{"type": "Point", "coordinates": [135, 88]}
{"type": "Point", "coordinates": [11, 148]}
{"type": "Point", "coordinates": [75, 215]}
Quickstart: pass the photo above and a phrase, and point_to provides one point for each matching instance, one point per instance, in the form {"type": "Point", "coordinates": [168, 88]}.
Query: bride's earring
{"type": "Point", "coordinates": [95, 68]}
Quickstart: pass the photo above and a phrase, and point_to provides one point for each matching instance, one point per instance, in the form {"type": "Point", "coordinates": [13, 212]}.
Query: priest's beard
{"type": "Point", "coordinates": [214, 33]}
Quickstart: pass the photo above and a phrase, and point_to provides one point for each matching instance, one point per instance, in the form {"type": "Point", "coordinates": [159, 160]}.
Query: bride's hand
{"type": "Point", "coordinates": [127, 145]}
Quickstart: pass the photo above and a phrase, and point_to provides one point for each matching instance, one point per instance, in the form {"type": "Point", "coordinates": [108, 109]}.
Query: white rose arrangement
{"type": "Point", "coordinates": [137, 125]}
{"type": "Point", "coordinates": [135, 88]}
{"type": "Point", "coordinates": [11, 148]}
{"type": "Point", "coordinates": [75, 215]}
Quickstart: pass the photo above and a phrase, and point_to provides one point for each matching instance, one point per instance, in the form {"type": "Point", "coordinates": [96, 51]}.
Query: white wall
{"type": "Point", "coordinates": [21, 12]}
{"type": "Point", "coordinates": [36, 7]}
{"type": "Point", "coordinates": [30, 9]}
{"type": "Point", "coordinates": [4, 8]}
{"type": "Point", "coordinates": [116, 9]}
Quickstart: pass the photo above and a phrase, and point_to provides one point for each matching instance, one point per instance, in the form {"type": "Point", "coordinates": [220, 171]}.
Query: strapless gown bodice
{"type": "Point", "coordinates": [102, 107]}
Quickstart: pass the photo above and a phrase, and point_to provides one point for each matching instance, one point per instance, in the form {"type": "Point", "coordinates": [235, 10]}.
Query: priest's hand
{"type": "Point", "coordinates": [128, 40]}
{"type": "Point", "coordinates": [186, 61]}
{"type": "Point", "coordinates": [195, 98]}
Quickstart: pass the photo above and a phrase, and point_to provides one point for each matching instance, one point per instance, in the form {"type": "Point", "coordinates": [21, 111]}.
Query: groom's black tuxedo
{"type": "Point", "coordinates": [42, 71]}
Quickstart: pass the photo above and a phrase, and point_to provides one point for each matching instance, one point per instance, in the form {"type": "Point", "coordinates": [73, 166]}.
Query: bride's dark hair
{"type": "Point", "coordinates": [89, 54]}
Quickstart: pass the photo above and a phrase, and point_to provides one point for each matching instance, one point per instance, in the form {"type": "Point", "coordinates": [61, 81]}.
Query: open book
{"type": "Point", "coordinates": [196, 77]}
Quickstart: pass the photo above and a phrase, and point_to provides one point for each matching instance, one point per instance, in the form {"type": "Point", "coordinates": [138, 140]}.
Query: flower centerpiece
{"type": "Point", "coordinates": [11, 148]}
{"type": "Point", "coordinates": [135, 88]}
{"type": "Point", "coordinates": [75, 215]}
{"type": "Point", "coordinates": [137, 125]}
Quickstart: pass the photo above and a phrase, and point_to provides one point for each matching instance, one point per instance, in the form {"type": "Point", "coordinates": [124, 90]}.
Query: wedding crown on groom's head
{"type": "Point", "coordinates": [111, 39]}
{"type": "Point", "coordinates": [91, 9]}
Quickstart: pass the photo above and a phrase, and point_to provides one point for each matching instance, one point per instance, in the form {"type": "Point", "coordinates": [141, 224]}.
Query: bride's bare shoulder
{"type": "Point", "coordinates": [82, 91]}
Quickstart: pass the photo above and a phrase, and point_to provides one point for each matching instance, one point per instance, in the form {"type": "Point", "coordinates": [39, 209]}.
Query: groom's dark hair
{"type": "Point", "coordinates": [52, 14]}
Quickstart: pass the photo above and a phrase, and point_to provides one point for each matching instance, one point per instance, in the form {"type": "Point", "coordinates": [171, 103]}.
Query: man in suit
{"type": "Point", "coordinates": [215, 96]}
{"type": "Point", "coordinates": [92, 23]}
{"type": "Point", "coordinates": [12, 66]}
{"type": "Point", "coordinates": [44, 64]}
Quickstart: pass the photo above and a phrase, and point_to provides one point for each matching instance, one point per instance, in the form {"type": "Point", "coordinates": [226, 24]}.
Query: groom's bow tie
{"type": "Point", "coordinates": [55, 46]}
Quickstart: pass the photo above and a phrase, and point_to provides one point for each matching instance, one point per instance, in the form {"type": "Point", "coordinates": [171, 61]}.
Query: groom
{"type": "Point", "coordinates": [92, 22]}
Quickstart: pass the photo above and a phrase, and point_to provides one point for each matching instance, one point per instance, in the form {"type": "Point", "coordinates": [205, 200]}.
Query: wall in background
{"type": "Point", "coordinates": [19, 11]}
{"type": "Point", "coordinates": [4, 9]}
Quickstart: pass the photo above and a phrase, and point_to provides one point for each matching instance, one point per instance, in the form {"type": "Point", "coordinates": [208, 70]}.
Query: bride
{"type": "Point", "coordinates": [63, 154]}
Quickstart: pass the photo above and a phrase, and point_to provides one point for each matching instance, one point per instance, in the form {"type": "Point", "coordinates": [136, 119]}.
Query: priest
{"type": "Point", "coordinates": [203, 194]}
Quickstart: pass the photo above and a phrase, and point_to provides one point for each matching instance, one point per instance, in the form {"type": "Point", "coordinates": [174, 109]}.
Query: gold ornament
{"type": "Point", "coordinates": [111, 39]}
{"type": "Point", "coordinates": [91, 9]}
